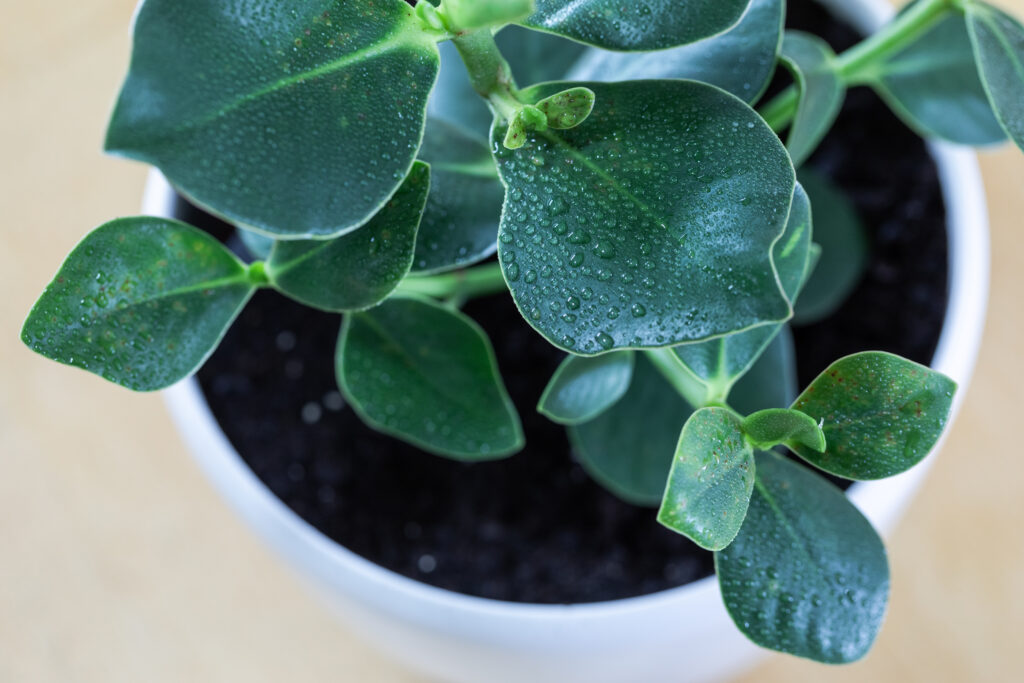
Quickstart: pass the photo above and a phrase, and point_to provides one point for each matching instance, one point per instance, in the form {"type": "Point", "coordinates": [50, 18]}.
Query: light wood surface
{"type": "Point", "coordinates": [119, 563]}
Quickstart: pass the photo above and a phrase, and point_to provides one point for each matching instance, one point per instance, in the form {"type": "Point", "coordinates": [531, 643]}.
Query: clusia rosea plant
{"type": "Point", "coordinates": [646, 217]}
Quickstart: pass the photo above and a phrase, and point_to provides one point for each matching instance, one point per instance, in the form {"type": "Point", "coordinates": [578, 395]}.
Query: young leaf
{"type": "Point", "coordinates": [460, 223]}
{"type": "Point", "coordinates": [427, 375]}
{"type": "Point", "coordinates": [299, 119]}
{"type": "Point", "coordinates": [777, 426]}
{"type": "Point", "coordinates": [812, 63]}
{"type": "Point", "coordinates": [807, 574]}
{"type": "Point", "coordinates": [998, 41]}
{"type": "Point", "coordinates": [567, 109]}
{"type": "Point", "coordinates": [650, 25]}
{"type": "Point", "coordinates": [711, 479]}
{"type": "Point", "coordinates": [933, 85]}
{"type": "Point", "coordinates": [740, 61]}
{"type": "Point", "coordinates": [844, 250]}
{"type": "Point", "coordinates": [882, 414]}
{"type": "Point", "coordinates": [628, 448]}
{"type": "Point", "coordinates": [583, 388]}
{"type": "Point", "coordinates": [141, 302]}
{"type": "Point", "coordinates": [360, 269]}
{"type": "Point", "coordinates": [719, 363]}
{"type": "Point", "coordinates": [470, 14]}
{"type": "Point", "coordinates": [619, 233]}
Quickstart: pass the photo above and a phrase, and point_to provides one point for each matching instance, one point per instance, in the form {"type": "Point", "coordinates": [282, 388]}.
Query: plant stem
{"type": "Point", "coordinates": [488, 71]}
{"type": "Point", "coordinates": [682, 380]}
{"type": "Point", "coordinates": [462, 284]}
{"type": "Point", "coordinates": [859, 64]}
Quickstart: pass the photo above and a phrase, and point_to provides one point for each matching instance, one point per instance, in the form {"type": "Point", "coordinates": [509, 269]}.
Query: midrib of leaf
{"type": "Point", "coordinates": [787, 527]}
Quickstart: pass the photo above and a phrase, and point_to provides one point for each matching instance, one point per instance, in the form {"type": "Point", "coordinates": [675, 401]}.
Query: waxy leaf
{"type": "Point", "coordinates": [934, 86]}
{"type": "Point", "coordinates": [534, 57]}
{"type": "Point", "coordinates": [882, 414]}
{"type": "Point", "coordinates": [719, 363]}
{"type": "Point", "coordinates": [427, 375]}
{"type": "Point", "coordinates": [740, 61]}
{"type": "Point", "coordinates": [296, 118]}
{"type": "Point", "coordinates": [625, 233]}
{"type": "Point", "coordinates": [141, 302]}
{"type": "Point", "coordinates": [807, 574]}
{"type": "Point", "coordinates": [360, 269]}
{"type": "Point", "coordinates": [647, 25]}
{"type": "Point", "coordinates": [460, 223]}
{"type": "Point", "coordinates": [998, 41]}
{"type": "Point", "coordinates": [813, 65]}
{"type": "Point", "coordinates": [844, 250]}
{"type": "Point", "coordinates": [583, 388]}
{"type": "Point", "coordinates": [778, 426]}
{"type": "Point", "coordinates": [711, 479]}
{"type": "Point", "coordinates": [628, 448]}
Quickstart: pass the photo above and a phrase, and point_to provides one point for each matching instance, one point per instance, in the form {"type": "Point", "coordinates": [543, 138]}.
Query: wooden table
{"type": "Point", "coordinates": [118, 562]}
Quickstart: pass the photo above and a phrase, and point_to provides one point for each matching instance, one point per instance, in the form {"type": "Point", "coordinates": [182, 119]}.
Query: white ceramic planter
{"type": "Point", "coordinates": [678, 635]}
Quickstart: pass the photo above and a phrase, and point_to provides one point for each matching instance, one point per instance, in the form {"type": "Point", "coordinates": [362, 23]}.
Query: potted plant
{"type": "Point", "coordinates": [651, 228]}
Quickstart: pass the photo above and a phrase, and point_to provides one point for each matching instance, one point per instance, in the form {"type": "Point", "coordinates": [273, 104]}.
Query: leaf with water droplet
{"type": "Point", "coordinates": [411, 365]}
{"type": "Point", "coordinates": [628, 448]}
{"type": "Point", "coordinates": [741, 60]}
{"type": "Point", "coordinates": [567, 109]}
{"type": "Point", "coordinates": [710, 481]}
{"type": "Point", "coordinates": [807, 574]}
{"type": "Point", "coordinates": [140, 301]}
{"type": "Point", "coordinates": [648, 25]}
{"type": "Point", "coordinates": [662, 210]}
{"type": "Point", "coordinates": [881, 414]}
{"type": "Point", "coordinates": [998, 42]}
{"type": "Point", "coordinates": [934, 86]}
{"type": "Point", "coordinates": [583, 388]}
{"type": "Point", "coordinates": [359, 269]}
{"type": "Point", "coordinates": [813, 65]}
{"type": "Point", "coordinates": [299, 119]}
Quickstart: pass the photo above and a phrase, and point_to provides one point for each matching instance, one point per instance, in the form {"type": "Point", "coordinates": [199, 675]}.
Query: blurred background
{"type": "Point", "coordinates": [119, 563]}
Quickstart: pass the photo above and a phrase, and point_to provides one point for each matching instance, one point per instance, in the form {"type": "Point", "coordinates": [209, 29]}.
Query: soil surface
{"type": "Point", "coordinates": [534, 527]}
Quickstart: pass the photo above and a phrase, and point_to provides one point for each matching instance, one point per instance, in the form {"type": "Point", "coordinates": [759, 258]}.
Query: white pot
{"type": "Point", "coordinates": [682, 634]}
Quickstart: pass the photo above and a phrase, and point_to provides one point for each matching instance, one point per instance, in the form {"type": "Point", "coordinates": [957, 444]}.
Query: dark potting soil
{"type": "Point", "coordinates": [534, 527]}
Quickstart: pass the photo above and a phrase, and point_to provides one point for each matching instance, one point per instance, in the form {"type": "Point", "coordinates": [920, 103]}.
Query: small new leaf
{"type": "Point", "coordinates": [583, 388]}
{"type": "Point", "coordinates": [881, 414]}
{"type": "Point", "coordinates": [141, 302]}
{"type": "Point", "coordinates": [359, 269]}
{"type": "Point", "coordinates": [568, 108]}
{"type": "Point", "coordinates": [427, 375]}
{"type": "Point", "coordinates": [474, 14]}
{"type": "Point", "coordinates": [711, 479]}
{"type": "Point", "coordinates": [766, 429]}
{"type": "Point", "coordinates": [998, 41]}
{"type": "Point", "coordinates": [807, 574]}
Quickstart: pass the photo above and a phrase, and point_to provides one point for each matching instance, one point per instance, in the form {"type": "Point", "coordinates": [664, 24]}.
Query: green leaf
{"type": "Point", "coordinates": [359, 269]}
{"type": "Point", "coordinates": [720, 363]}
{"type": "Point", "coordinates": [807, 574]}
{"type": "Point", "coordinates": [426, 374]}
{"type": "Point", "coordinates": [649, 25]}
{"type": "Point", "coordinates": [844, 250]}
{"type": "Point", "coordinates": [470, 14]}
{"type": "Point", "coordinates": [567, 109]}
{"type": "Point", "coordinates": [628, 449]}
{"type": "Point", "coordinates": [534, 57]}
{"type": "Point", "coordinates": [740, 61]}
{"type": "Point", "coordinates": [583, 388]}
{"type": "Point", "coordinates": [882, 414]}
{"type": "Point", "coordinates": [140, 301]}
{"type": "Point", "coordinates": [299, 119]}
{"type": "Point", "coordinates": [460, 223]}
{"type": "Point", "coordinates": [934, 86]}
{"type": "Point", "coordinates": [998, 42]}
{"type": "Point", "coordinates": [822, 91]}
{"type": "Point", "coordinates": [778, 426]}
{"type": "Point", "coordinates": [711, 480]}
{"type": "Point", "coordinates": [771, 382]}
{"type": "Point", "coordinates": [620, 233]}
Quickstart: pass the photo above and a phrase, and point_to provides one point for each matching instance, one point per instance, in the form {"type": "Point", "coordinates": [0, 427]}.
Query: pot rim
{"type": "Point", "coordinates": [881, 501]}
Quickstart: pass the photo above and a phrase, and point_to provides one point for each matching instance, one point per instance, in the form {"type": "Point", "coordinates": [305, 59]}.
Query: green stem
{"type": "Point", "coordinates": [859, 64]}
{"type": "Point", "coordinates": [682, 380]}
{"type": "Point", "coordinates": [489, 73]}
{"type": "Point", "coordinates": [462, 284]}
